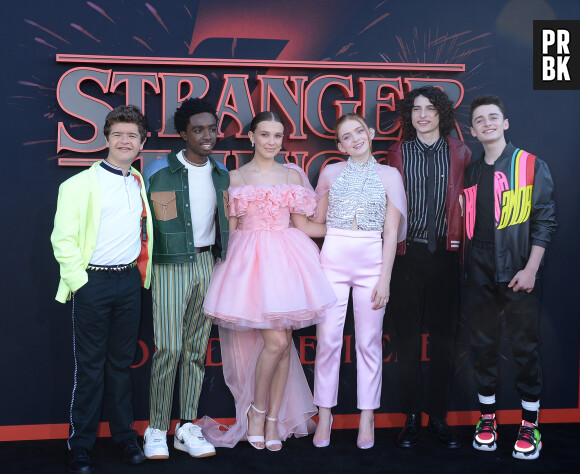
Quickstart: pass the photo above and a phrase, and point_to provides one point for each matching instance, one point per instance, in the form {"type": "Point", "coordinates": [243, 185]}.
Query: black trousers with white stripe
{"type": "Point", "coordinates": [106, 316]}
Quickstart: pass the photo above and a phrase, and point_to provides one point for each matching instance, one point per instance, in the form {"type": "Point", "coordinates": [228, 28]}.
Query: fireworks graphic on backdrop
{"type": "Point", "coordinates": [435, 47]}
{"type": "Point", "coordinates": [429, 47]}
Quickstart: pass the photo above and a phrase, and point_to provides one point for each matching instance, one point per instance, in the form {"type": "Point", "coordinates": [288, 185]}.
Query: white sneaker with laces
{"type": "Point", "coordinates": [188, 438]}
{"type": "Point", "coordinates": [155, 444]}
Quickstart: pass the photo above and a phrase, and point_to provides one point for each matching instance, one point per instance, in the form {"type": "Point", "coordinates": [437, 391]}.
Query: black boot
{"type": "Point", "coordinates": [409, 435]}
{"type": "Point", "coordinates": [132, 453]}
{"type": "Point", "coordinates": [80, 461]}
{"type": "Point", "coordinates": [444, 435]}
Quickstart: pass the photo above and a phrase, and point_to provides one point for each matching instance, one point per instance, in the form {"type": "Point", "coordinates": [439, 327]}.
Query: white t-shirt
{"type": "Point", "coordinates": [119, 237]}
{"type": "Point", "coordinates": [202, 202]}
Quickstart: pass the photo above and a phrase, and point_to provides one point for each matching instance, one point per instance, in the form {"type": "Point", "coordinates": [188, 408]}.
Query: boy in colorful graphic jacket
{"type": "Point", "coordinates": [509, 221]}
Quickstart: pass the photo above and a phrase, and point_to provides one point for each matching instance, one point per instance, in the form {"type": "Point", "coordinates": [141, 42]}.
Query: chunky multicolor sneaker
{"type": "Point", "coordinates": [485, 435]}
{"type": "Point", "coordinates": [528, 444]}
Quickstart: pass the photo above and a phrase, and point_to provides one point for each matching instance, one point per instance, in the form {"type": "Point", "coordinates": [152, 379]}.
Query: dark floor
{"type": "Point", "coordinates": [559, 455]}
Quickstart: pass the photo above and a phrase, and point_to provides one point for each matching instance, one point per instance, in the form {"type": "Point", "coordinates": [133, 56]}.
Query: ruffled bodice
{"type": "Point", "coordinates": [264, 207]}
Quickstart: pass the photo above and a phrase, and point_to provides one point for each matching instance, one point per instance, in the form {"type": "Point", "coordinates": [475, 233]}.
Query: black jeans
{"type": "Point", "coordinates": [106, 316]}
{"type": "Point", "coordinates": [424, 297]}
{"type": "Point", "coordinates": [485, 301]}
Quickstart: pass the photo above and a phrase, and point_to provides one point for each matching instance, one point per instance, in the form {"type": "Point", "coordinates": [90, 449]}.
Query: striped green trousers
{"type": "Point", "coordinates": [181, 334]}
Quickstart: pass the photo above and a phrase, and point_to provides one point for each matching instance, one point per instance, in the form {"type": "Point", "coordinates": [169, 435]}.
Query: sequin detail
{"type": "Point", "coordinates": [357, 191]}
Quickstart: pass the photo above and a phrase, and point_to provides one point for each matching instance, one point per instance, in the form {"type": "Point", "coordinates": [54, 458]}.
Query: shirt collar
{"type": "Point", "coordinates": [113, 169]}
{"type": "Point", "coordinates": [361, 166]}
{"type": "Point", "coordinates": [436, 146]}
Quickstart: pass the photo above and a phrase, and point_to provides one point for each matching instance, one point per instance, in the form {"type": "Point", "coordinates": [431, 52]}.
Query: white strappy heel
{"type": "Point", "coordinates": [254, 438]}
{"type": "Point", "coordinates": [273, 442]}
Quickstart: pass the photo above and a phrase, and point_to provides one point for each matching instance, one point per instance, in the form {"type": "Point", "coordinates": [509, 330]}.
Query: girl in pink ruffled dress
{"type": "Point", "coordinates": [364, 206]}
{"type": "Point", "coordinates": [270, 283]}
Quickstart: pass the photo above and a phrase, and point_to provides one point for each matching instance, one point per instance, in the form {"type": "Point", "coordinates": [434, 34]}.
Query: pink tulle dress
{"type": "Point", "coordinates": [271, 279]}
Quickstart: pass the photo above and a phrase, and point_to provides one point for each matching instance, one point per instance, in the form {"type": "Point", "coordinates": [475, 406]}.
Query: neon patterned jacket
{"type": "Point", "coordinates": [524, 211]}
{"type": "Point", "coordinates": [76, 228]}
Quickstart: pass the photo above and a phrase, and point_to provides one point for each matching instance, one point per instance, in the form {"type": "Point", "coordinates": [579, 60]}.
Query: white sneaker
{"type": "Point", "coordinates": [188, 438]}
{"type": "Point", "coordinates": [155, 444]}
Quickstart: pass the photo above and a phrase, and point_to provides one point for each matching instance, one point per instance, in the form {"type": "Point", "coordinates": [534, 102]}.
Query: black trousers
{"type": "Point", "coordinates": [424, 298]}
{"type": "Point", "coordinates": [106, 316]}
{"type": "Point", "coordinates": [485, 301]}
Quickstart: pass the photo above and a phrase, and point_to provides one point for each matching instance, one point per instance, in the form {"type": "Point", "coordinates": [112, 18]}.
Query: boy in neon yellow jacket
{"type": "Point", "coordinates": [102, 239]}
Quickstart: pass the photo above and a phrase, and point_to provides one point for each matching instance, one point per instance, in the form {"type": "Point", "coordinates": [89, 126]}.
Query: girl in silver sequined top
{"type": "Point", "coordinates": [363, 204]}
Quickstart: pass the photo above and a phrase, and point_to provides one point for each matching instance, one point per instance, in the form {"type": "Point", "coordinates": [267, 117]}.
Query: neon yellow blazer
{"type": "Point", "coordinates": [76, 226]}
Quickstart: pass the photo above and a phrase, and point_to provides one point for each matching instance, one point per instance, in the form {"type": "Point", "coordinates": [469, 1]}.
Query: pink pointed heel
{"type": "Point", "coordinates": [367, 444]}
{"type": "Point", "coordinates": [254, 438]}
{"type": "Point", "coordinates": [323, 443]}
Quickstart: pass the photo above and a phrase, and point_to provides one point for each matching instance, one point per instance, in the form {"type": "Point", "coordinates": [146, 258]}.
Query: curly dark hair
{"type": "Point", "coordinates": [189, 107]}
{"type": "Point", "coordinates": [126, 114]}
{"type": "Point", "coordinates": [486, 100]}
{"type": "Point", "coordinates": [442, 104]}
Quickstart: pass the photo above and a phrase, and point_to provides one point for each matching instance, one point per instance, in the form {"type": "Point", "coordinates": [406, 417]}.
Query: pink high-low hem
{"type": "Point", "coordinates": [271, 279]}
{"type": "Point", "coordinates": [240, 351]}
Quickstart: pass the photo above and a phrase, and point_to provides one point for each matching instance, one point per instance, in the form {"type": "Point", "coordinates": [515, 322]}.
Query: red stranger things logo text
{"type": "Point", "coordinates": [309, 95]}
{"type": "Point", "coordinates": [306, 346]}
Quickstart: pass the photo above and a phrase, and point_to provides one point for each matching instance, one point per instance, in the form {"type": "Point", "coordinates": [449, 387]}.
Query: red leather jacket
{"type": "Point", "coordinates": [459, 159]}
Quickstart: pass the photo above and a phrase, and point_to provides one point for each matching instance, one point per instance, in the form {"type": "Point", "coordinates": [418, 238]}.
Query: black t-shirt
{"type": "Point", "coordinates": [484, 210]}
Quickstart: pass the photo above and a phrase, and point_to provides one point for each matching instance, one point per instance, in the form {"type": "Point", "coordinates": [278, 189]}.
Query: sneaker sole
{"type": "Point", "coordinates": [156, 453]}
{"type": "Point", "coordinates": [158, 456]}
{"type": "Point", "coordinates": [484, 447]}
{"type": "Point", "coordinates": [527, 457]}
{"type": "Point", "coordinates": [203, 454]}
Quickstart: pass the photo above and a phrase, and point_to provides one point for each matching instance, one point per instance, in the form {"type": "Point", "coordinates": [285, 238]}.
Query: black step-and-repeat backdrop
{"type": "Point", "coordinates": [66, 66]}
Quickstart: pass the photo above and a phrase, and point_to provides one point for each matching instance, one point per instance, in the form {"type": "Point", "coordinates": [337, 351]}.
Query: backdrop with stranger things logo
{"type": "Point", "coordinates": [65, 67]}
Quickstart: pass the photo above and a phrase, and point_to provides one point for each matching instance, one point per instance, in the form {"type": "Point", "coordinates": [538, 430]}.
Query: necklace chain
{"type": "Point", "coordinates": [199, 165]}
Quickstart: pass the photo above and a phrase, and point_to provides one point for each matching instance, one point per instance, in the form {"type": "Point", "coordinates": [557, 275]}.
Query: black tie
{"type": "Point", "coordinates": [431, 226]}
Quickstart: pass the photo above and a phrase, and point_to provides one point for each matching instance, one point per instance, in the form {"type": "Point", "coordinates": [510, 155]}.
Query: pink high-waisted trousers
{"type": "Point", "coordinates": [351, 259]}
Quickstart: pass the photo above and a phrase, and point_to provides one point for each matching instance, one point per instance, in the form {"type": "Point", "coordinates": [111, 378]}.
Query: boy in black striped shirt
{"type": "Point", "coordinates": [425, 278]}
